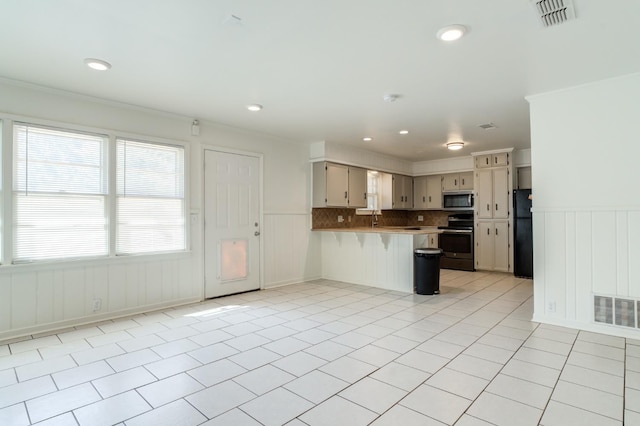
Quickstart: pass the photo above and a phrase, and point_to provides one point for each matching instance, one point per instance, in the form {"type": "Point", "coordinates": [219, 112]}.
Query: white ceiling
{"type": "Point", "coordinates": [321, 67]}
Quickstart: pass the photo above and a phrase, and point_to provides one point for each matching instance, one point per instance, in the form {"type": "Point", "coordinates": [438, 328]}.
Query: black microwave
{"type": "Point", "coordinates": [457, 201]}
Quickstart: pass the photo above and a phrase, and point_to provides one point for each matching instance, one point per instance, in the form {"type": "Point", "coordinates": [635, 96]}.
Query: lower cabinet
{"type": "Point", "coordinates": [433, 241]}
{"type": "Point", "coordinates": [492, 245]}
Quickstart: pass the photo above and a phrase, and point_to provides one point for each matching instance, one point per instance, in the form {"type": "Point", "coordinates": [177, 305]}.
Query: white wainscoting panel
{"type": "Point", "coordinates": [36, 298]}
{"type": "Point", "coordinates": [377, 260]}
{"type": "Point", "coordinates": [291, 249]}
{"type": "Point", "coordinates": [579, 253]}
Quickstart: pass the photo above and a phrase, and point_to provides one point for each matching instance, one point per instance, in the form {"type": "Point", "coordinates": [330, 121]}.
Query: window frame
{"type": "Point", "coordinates": [186, 211]}
{"type": "Point", "coordinates": [7, 205]}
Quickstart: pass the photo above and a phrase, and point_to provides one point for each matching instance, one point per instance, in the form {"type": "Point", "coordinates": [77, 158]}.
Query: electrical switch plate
{"type": "Point", "coordinates": [551, 307]}
{"type": "Point", "coordinates": [420, 218]}
{"type": "Point", "coordinates": [340, 219]}
{"type": "Point", "coordinates": [97, 304]}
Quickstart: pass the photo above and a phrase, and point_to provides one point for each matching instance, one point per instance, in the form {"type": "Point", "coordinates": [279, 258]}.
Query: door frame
{"type": "Point", "coordinates": [206, 147]}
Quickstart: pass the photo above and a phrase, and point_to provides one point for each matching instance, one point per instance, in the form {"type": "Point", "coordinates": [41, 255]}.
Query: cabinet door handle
{"type": "Point", "coordinates": [488, 208]}
{"type": "Point", "coordinates": [488, 232]}
{"type": "Point", "coordinates": [424, 199]}
{"type": "Point", "coordinates": [463, 182]}
{"type": "Point", "coordinates": [496, 231]}
{"type": "Point", "coordinates": [345, 194]}
{"type": "Point", "coordinates": [455, 182]}
{"type": "Point", "coordinates": [486, 160]}
{"type": "Point", "coordinates": [496, 206]}
{"type": "Point", "coordinates": [365, 195]}
{"type": "Point", "coordinates": [429, 198]}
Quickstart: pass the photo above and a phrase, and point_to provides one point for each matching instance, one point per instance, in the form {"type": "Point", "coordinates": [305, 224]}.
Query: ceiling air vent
{"type": "Point", "coordinates": [554, 12]}
{"type": "Point", "coordinates": [487, 126]}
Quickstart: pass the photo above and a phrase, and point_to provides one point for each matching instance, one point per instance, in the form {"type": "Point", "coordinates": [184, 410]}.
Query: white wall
{"type": "Point", "coordinates": [35, 298]}
{"type": "Point", "coordinates": [584, 155]}
{"type": "Point", "coordinates": [326, 151]}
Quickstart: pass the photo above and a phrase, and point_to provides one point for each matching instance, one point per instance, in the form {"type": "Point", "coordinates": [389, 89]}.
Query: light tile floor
{"type": "Point", "coordinates": [328, 353]}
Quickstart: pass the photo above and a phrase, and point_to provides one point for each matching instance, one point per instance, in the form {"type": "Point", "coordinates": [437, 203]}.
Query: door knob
{"type": "Point", "coordinates": [256, 233]}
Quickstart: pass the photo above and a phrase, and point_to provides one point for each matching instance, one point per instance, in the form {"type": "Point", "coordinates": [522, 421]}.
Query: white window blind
{"type": "Point", "coordinates": [150, 197]}
{"type": "Point", "coordinates": [59, 194]}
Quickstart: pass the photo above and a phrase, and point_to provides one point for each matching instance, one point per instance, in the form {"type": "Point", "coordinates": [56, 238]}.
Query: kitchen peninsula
{"type": "Point", "coordinates": [375, 256]}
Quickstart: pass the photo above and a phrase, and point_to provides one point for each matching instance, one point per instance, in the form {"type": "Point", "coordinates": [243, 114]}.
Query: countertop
{"type": "Point", "coordinates": [405, 230]}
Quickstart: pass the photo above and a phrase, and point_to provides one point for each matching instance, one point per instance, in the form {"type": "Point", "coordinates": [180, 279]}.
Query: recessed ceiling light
{"type": "Point", "coordinates": [404, 132]}
{"type": "Point", "coordinates": [254, 107]}
{"type": "Point", "coordinates": [97, 64]}
{"type": "Point", "coordinates": [451, 32]}
{"type": "Point", "coordinates": [367, 139]}
{"type": "Point", "coordinates": [454, 146]}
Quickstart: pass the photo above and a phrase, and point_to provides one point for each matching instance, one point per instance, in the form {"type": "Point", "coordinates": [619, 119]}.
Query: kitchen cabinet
{"type": "Point", "coordinates": [433, 241]}
{"type": "Point", "coordinates": [337, 185]}
{"type": "Point", "coordinates": [420, 192]}
{"type": "Point", "coordinates": [492, 194]}
{"type": "Point", "coordinates": [434, 192]}
{"type": "Point", "coordinates": [397, 191]}
{"type": "Point", "coordinates": [427, 192]}
{"type": "Point", "coordinates": [457, 181]}
{"type": "Point", "coordinates": [492, 160]}
{"type": "Point", "coordinates": [492, 245]}
{"type": "Point", "coordinates": [493, 186]}
{"type": "Point", "coordinates": [357, 187]}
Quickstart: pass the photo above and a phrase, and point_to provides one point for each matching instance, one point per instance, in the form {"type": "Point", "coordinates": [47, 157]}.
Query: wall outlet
{"type": "Point", "coordinates": [420, 218]}
{"type": "Point", "coordinates": [551, 307]}
{"type": "Point", "coordinates": [340, 219]}
{"type": "Point", "coordinates": [97, 304]}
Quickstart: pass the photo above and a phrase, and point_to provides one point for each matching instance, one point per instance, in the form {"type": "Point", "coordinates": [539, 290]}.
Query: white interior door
{"type": "Point", "coordinates": [232, 223]}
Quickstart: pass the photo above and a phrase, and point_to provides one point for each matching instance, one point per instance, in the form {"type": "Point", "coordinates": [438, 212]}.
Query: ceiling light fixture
{"type": "Point", "coordinates": [97, 64]}
{"type": "Point", "coordinates": [454, 146]}
{"type": "Point", "coordinates": [367, 139]}
{"type": "Point", "coordinates": [404, 132]}
{"type": "Point", "coordinates": [254, 107]}
{"type": "Point", "coordinates": [451, 32]}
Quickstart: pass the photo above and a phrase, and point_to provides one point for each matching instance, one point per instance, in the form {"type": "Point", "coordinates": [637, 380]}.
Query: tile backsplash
{"type": "Point", "coordinates": [322, 218]}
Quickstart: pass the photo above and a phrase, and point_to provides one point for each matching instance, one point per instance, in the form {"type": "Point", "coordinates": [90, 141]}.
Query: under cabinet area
{"type": "Point", "coordinates": [338, 185]}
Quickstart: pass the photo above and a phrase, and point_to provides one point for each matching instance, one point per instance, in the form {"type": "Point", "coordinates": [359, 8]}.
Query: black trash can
{"type": "Point", "coordinates": [426, 270]}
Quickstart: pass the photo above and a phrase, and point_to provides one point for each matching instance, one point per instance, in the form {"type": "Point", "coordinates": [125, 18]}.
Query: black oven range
{"type": "Point", "coordinates": [456, 242]}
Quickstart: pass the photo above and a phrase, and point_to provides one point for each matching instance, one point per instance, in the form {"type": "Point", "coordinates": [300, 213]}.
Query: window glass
{"type": "Point", "coordinates": [150, 197]}
{"type": "Point", "coordinates": [59, 194]}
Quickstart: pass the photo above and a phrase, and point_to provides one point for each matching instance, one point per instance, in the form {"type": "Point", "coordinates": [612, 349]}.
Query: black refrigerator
{"type": "Point", "coordinates": [522, 234]}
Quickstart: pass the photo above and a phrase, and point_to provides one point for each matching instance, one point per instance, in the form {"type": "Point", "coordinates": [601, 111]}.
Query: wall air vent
{"type": "Point", "coordinates": [554, 12]}
{"type": "Point", "coordinates": [616, 311]}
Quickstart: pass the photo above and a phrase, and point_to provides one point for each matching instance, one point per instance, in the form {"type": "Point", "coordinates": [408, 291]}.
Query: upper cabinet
{"type": "Point", "coordinates": [337, 185]}
{"type": "Point", "coordinates": [457, 181]}
{"type": "Point", "coordinates": [420, 192]}
{"type": "Point", "coordinates": [434, 192]}
{"type": "Point", "coordinates": [397, 191]}
{"type": "Point", "coordinates": [427, 192]}
{"type": "Point", "coordinates": [492, 160]}
{"type": "Point", "coordinates": [357, 187]}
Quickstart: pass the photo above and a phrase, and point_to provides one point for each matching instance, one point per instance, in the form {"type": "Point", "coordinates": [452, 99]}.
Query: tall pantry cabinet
{"type": "Point", "coordinates": [493, 216]}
